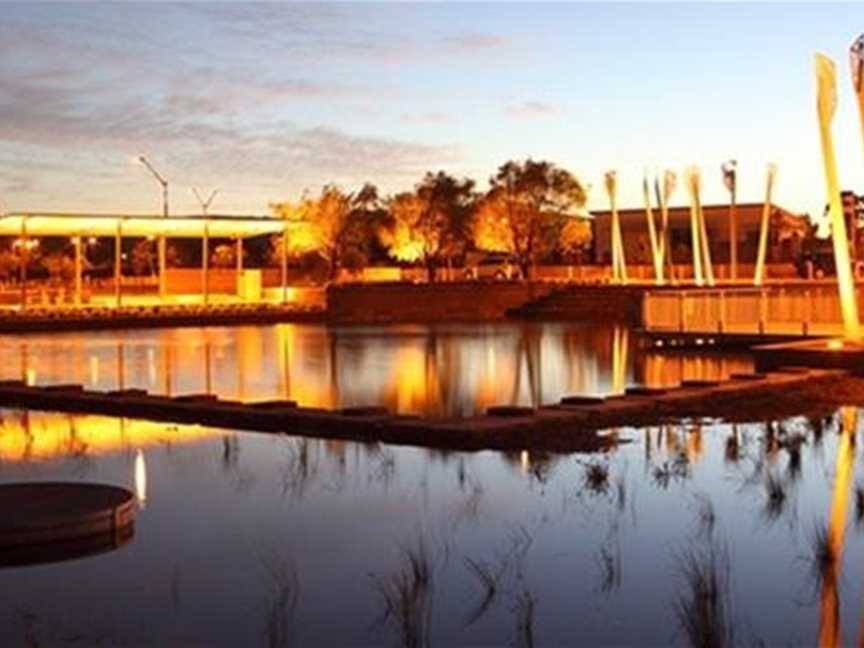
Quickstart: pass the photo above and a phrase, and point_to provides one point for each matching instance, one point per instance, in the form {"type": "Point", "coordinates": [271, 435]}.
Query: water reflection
{"type": "Point", "coordinates": [41, 436]}
{"type": "Point", "coordinates": [429, 370]}
{"type": "Point", "coordinates": [830, 549]}
{"type": "Point", "coordinates": [451, 548]}
{"type": "Point", "coordinates": [140, 478]}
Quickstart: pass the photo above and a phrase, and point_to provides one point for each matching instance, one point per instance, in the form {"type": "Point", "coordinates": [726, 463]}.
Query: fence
{"type": "Point", "coordinates": [800, 310]}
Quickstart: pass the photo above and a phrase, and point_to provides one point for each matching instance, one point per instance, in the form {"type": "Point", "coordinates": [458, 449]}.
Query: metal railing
{"type": "Point", "coordinates": [797, 310]}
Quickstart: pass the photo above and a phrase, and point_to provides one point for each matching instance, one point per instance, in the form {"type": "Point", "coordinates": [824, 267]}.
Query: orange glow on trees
{"type": "Point", "coordinates": [575, 238]}
{"type": "Point", "coordinates": [405, 238]}
{"type": "Point", "coordinates": [335, 225]}
{"type": "Point", "coordinates": [525, 209]}
{"type": "Point", "coordinates": [431, 224]}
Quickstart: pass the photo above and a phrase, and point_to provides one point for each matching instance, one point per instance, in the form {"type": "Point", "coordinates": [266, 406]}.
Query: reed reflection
{"type": "Point", "coordinates": [427, 370]}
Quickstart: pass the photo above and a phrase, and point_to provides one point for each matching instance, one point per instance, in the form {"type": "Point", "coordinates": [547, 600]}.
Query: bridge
{"type": "Point", "coordinates": [794, 309]}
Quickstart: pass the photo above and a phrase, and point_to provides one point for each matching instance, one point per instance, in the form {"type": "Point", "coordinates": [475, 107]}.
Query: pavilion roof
{"type": "Point", "coordinates": [68, 224]}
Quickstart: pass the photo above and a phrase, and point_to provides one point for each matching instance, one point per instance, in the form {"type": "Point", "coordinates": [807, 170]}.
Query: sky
{"type": "Point", "coordinates": [264, 101]}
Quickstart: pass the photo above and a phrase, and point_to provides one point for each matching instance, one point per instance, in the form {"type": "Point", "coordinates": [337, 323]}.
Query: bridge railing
{"type": "Point", "coordinates": [800, 310]}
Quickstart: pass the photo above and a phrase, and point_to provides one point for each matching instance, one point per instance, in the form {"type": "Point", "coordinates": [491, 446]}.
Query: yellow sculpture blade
{"type": "Point", "coordinates": [826, 81]}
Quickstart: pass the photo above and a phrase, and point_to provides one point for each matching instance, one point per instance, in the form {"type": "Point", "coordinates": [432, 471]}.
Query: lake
{"type": "Point", "coordinates": [447, 370]}
{"type": "Point", "coordinates": [687, 533]}
{"type": "Point", "coordinates": [249, 539]}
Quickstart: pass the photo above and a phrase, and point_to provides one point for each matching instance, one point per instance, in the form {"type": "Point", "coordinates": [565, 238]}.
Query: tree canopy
{"type": "Point", "coordinates": [526, 208]}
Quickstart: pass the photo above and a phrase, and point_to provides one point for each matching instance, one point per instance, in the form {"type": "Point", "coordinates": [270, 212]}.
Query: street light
{"type": "Point", "coordinates": [205, 245]}
{"type": "Point", "coordinates": [161, 250]}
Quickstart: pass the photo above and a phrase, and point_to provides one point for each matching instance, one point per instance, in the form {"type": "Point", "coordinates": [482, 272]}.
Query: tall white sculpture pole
{"type": "Point", "coordinates": [759, 275]}
{"type": "Point", "coordinates": [619, 265]}
{"type": "Point", "coordinates": [730, 173]}
{"type": "Point", "coordinates": [656, 254]}
{"type": "Point", "coordinates": [663, 198]}
{"type": "Point", "coordinates": [707, 266]}
{"type": "Point", "coordinates": [826, 105]}
{"type": "Point", "coordinates": [692, 177]}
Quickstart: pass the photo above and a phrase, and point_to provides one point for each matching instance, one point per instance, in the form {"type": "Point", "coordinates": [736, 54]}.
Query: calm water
{"type": "Point", "coordinates": [438, 370]}
{"type": "Point", "coordinates": [248, 539]}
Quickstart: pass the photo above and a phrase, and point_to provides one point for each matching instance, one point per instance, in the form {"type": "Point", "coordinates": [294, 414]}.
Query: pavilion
{"type": "Point", "coordinates": [27, 226]}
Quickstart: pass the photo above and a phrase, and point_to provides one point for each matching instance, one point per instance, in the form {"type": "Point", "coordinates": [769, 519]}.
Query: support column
{"type": "Point", "coordinates": [76, 240]}
{"type": "Point", "coordinates": [163, 279]}
{"type": "Point", "coordinates": [163, 285]}
{"type": "Point", "coordinates": [118, 264]}
{"type": "Point", "coordinates": [205, 262]}
{"type": "Point", "coordinates": [733, 237]}
{"type": "Point", "coordinates": [238, 253]}
{"type": "Point", "coordinates": [285, 263]}
{"type": "Point", "coordinates": [24, 258]}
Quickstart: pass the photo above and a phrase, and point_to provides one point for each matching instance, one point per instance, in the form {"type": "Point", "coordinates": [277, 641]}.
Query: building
{"type": "Point", "coordinates": [786, 232]}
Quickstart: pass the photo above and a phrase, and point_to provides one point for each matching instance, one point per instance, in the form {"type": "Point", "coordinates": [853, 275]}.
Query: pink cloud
{"type": "Point", "coordinates": [533, 109]}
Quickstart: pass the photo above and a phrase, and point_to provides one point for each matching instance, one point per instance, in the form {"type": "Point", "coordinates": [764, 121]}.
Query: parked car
{"type": "Point", "coordinates": [498, 267]}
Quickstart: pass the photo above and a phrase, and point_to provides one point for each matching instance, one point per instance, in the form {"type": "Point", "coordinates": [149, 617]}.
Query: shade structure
{"type": "Point", "coordinates": [38, 224]}
{"type": "Point", "coordinates": [27, 225]}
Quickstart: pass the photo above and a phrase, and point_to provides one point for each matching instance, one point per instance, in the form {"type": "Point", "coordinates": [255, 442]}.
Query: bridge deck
{"type": "Point", "coordinates": [793, 310]}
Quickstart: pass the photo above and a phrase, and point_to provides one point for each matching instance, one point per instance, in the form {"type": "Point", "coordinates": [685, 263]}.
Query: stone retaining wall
{"type": "Point", "coordinates": [450, 301]}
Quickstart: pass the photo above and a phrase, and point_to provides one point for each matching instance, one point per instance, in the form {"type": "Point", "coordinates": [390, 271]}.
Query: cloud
{"type": "Point", "coordinates": [84, 88]}
{"type": "Point", "coordinates": [533, 109]}
{"type": "Point", "coordinates": [474, 41]}
{"type": "Point", "coordinates": [431, 117]}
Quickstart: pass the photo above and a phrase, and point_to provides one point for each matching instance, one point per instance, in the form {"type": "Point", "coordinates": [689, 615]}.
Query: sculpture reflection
{"type": "Point", "coordinates": [831, 554]}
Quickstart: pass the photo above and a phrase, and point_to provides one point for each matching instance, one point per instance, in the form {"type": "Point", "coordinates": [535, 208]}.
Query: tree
{"type": "Point", "coordinates": [432, 224]}
{"type": "Point", "coordinates": [575, 238]}
{"type": "Point", "coordinates": [10, 264]}
{"type": "Point", "coordinates": [144, 257]}
{"type": "Point", "coordinates": [60, 267]}
{"type": "Point", "coordinates": [525, 209]}
{"type": "Point", "coordinates": [403, 235]}
{"type": "Point", "coordinates": [333, 224]}
{"type": "Point", "coordinates": [224, 256]}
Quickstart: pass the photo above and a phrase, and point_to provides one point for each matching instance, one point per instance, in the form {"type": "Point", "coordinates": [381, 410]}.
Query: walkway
{"type": "Point", "coordinates": [794, 309]}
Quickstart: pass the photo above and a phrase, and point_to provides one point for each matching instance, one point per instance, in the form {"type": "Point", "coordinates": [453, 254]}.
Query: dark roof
{"type": "Point", "coordinates": [679, 215]}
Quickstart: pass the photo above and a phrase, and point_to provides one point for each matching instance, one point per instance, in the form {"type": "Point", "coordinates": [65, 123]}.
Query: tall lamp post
{"type": "Point", "coordinates": [205, 243]}
{"type": "Point", "coordinates": [161, 243]}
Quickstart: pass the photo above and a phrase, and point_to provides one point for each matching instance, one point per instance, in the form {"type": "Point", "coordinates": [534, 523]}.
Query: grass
{"type": "Point", "coordinates": [298, 468]}
{"type": "Point", "coordinates": [503, 576]}
{"type": "Point", "coordinates": [609, 564]}
{"type": "Point", "coordinates": [792, 444]}
{"type": "Point", "coordinates": [677, 469]}
{"type": "Point", "coordinates": [279, 626]}
{"type": "Point", "coordinates": [703, 608]}
{"type": "Point", "coordinates": [596, 477]}
{"type": "Point", "coordinates": [775, 492]}
{"type": "Point", "coordinates": [822, 554]}
{"type": "Point", "coordinates": [733, 449]}
{"type": "Point", "coordinates": [407, 595]}
{"type": "Point", "coordinates": [859, 505]}
{"type": "Point", "coordinates": [524, 610]}
{"type": "Point", "coordinates": [706, 516]}
{"type": "Point", "coordinates": [487, 577]}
